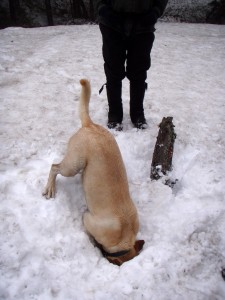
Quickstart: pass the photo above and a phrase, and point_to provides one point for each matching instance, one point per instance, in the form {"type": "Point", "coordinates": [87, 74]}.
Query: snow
{"type": "Point", "coordinates": [45, 252]}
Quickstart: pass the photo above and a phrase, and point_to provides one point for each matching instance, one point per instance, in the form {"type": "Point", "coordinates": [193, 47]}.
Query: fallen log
{"type": "Point", "coordinates": [163, 152]}
{"type": "Point", "coordinates": [223, 273]}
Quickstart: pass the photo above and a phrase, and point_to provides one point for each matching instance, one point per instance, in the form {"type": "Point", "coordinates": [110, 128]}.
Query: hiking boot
{"type": "Point", "coordinates": [137, 93]}
{"type": "Point", "coordinates": [115, 125]}
{"type": "Point", "coordinates": [115, 113]}
{"type": "Point", "coordinates": [140, 123]}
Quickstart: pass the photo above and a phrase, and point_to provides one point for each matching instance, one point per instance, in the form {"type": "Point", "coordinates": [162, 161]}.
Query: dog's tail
{"type": "Point", "coordinates": [84, 103]}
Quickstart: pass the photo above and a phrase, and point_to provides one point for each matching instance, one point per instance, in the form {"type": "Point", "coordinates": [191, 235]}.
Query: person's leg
{"type": "Point", "coordinates": [138, 63]}
{"type": "Point", "coordinates": [114, 54]}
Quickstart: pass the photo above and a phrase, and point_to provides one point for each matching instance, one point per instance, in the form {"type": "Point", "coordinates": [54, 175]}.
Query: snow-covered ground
{"type": "Point", "coordinates": [44, 250]}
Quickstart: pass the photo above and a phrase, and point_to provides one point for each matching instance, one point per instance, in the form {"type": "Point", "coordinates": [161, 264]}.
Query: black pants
{"type": "Point", "coordinates": [130, 57]}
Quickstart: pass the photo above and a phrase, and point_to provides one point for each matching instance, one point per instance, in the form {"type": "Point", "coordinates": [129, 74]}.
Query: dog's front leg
{"type": "Point", "coordinates": [49, 191]}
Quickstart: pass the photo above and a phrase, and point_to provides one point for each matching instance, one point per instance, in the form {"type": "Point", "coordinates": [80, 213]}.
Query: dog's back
{"type": "Point", "coordinates": [104, 177]}
{"type": "Point", "coordinates": [104, 172]}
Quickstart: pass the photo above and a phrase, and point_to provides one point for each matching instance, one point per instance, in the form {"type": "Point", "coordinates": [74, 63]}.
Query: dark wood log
{"type": "Point", "coordinates": [223, 273]}
{"type": "Point", "coordinates": [163, 152]}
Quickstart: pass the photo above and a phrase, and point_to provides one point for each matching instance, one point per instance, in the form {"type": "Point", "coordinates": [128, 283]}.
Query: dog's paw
{"type": "Point", "coordinates": [49, 192]}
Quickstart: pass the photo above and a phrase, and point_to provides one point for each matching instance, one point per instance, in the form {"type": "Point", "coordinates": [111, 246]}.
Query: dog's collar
{"type": "Point", "coordinates": [115, 254]}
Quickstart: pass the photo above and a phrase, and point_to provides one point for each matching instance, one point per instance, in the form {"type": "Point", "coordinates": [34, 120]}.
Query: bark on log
{"type": "Point", "coordinates": [163, 152]}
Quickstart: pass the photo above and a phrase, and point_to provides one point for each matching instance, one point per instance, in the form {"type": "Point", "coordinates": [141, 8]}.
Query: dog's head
{"type": "Point", "coordinates": [123, 256]}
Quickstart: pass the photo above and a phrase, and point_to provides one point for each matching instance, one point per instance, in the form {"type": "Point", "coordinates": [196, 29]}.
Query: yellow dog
{"type": "Point", "coordinates": [111, 218]}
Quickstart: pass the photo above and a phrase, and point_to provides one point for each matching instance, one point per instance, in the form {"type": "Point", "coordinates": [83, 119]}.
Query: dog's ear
{"type": "Point", "coordinates": [139, 245]}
